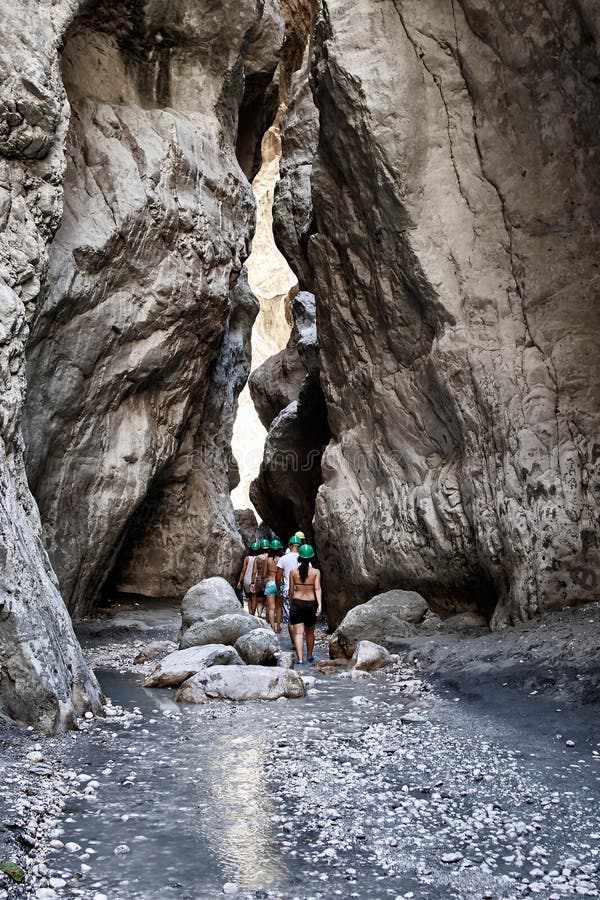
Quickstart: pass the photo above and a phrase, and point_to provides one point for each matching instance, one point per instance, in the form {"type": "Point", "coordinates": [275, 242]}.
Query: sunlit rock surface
{"type": "Point", "coordinates": [455, 193]}
{"type": "Point", "coordinates": [130, 373]}
{"type": "Point", "coordinates": [44, 680]}
{"type": "Point", "coordinates": [273, 283]}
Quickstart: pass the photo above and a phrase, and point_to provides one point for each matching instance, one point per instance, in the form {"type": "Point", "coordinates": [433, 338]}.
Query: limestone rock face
{"type": "Point", "coordinates": [456, 192]}
{"type": "Point", "coordinates": [292, 203]}
{"type": "Point", "coordinates": [385, 618]}
{"type": "Point", "coordinates": [140, 346]}
{"type": "Point", "coordinates": [44, 680]}
{"type": "Point", "coordinates": [277, 382]}
{"type": "Point", "coordinates": [186, 526]}
{"type": "Point", "coordinates": [247, 524]}
{"type": "Point", "coordinates": [241, 684]}
{"type": "Point", "coordinates": [284, 491]}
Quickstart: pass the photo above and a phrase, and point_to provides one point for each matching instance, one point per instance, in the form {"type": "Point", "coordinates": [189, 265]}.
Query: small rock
{"type": "Point", "coordinates": [230, 887]}
{"type": "Point", "coordinates": [35, 756]}
{"type": "Point", "coordinates": [452, 857]}
{"type": "Point", "coordinates": [121, 850]}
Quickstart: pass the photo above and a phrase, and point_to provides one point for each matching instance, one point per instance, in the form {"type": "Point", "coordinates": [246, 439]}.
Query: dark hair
{"type": "Point", "coordinates": [303, 569]}
{"type": "Point", "coordinates": [274, 553]}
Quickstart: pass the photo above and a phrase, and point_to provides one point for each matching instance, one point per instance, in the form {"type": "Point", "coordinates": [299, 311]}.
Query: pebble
{"type": "Point", "coordinates": [230, 887]}
{"type": "Point", "coordinates": [121, 849]}
{"type": "Point", "coordinates": [72, 847]}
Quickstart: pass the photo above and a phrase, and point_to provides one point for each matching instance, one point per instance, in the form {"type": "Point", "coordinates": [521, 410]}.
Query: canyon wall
{"type": "Point", "coordinates": [44, 680]}
{"type": "Point", "coordinates": [454, 254]}
{"type": "Point", "coordinates": [125, 361]}
{"type": "Point", "coordinates": [290, 403]}
{"type": "Point", "coordinates": [126, 218]}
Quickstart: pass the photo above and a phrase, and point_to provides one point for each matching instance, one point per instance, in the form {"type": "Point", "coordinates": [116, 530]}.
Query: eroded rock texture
{"type": "Point", "coordinates": [456, 198]}
{"type": "Point", "coordinates": [286, 487]}
{"type": "Point", "coordinates": [131, 382]}
{"type": "Point", "coordinates": [44, 680]}
{"type": "Point", "coordinates": [292, 204]}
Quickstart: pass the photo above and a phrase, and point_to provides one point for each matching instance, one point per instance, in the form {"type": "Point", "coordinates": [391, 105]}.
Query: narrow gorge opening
{"type": "Point", "coordinates": [273, 284]}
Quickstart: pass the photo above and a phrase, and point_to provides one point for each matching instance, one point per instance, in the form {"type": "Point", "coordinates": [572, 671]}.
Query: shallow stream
{"type": "Point", "coordinates": [334, 796]}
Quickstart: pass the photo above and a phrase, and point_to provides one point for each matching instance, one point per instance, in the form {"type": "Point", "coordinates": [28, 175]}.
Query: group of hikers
{"type": "Point", "coordinates": [288, 585]}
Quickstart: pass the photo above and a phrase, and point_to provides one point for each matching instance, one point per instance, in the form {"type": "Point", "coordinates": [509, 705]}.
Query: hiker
{"type": "Point", "coordinates": [271, 590]}
{"type": "Point", "coordinates": [287, 563]}
{"type": "Point", "coordinates": [258, 576]}
{"type": "Point", "coordinates": [305, 602]}
{"type": "Point", "coordinates": [245, 579]}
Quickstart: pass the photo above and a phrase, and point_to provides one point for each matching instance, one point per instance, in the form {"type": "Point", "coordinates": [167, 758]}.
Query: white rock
{"type": "Point", "coordinates": [121, 850]}
{"type": "Point", "coordinates": [369, 656]}
{"type": "Point", "coordinates": [180, 665]}
{"type": "Point", "coordinates": [452, 857]}
{"type": "Point", "coordinates": [241, 683]}
{"type": "Point", "coordinates": [35, 756]}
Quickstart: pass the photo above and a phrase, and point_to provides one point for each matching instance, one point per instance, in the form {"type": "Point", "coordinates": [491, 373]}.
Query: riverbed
{"type": "Point", "coordinates": [375, 787]}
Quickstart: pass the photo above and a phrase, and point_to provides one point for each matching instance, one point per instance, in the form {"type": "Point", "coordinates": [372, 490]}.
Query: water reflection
{"type": "Point", "coordinates": [239, 829]}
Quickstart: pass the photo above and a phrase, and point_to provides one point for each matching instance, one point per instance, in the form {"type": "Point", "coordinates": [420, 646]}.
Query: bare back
{"type": "Point", "coordinates": [305, 590]}
{"type": "Point", "coordinates": [271, 568]}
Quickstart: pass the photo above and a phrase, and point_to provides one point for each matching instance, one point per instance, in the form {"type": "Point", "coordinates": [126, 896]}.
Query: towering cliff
{"type": "Point", "coordinates": [139, 315]}
{"type": "Point", "coordinates": [454, 256]}
{"type": "Point", "coordinates": [124, 356]}
{"type": "Point", "coordinates": [43, 677]}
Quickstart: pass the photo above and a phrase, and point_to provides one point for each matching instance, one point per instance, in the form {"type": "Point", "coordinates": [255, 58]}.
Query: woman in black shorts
{"type": "Point", "coordinates": [305, 602]}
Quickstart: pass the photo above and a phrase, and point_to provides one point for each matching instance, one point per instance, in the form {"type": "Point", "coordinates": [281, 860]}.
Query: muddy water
{"type": "Point", "coordinates": [332, 796]}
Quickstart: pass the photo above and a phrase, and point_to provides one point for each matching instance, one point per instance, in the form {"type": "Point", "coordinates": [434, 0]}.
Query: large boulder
{"type": "Point", "coordinates": [240, 684]}
{"type": "Point", "coordinates": [222, 630]}
{"type": "Point", "coordinates": [211, 598]}
{"type": "Point", "coordinates": [178, 666]}
{"type": "Point", "coordinates": [259, 647]}
{"type": "Point", "coordinates": [385, 618]}
{"type": "Point", "coordinates": [369, 656]}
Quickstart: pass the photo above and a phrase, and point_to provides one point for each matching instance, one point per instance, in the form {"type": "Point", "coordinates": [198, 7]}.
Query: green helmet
{"type": "Point", "coordinates": [255, 545]}
{"type": "Point", "coordinates": [276, 545]}
{"type": "Point", "coordinates": [294, 540]}
{"type": "Point", "coordinates": [306, 552]}
{"type": "Point", "coordinates": [265, 544]}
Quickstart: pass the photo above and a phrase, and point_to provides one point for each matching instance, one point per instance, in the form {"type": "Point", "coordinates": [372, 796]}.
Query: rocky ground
{"type": "Point", "coordinates": [558, 655]}
{"type": "Point", "coordinates": [476, 782]}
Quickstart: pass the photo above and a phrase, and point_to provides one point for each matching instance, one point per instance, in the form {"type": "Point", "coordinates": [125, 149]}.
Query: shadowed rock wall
{"type": "Point", "coordinates": [456, 197]}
